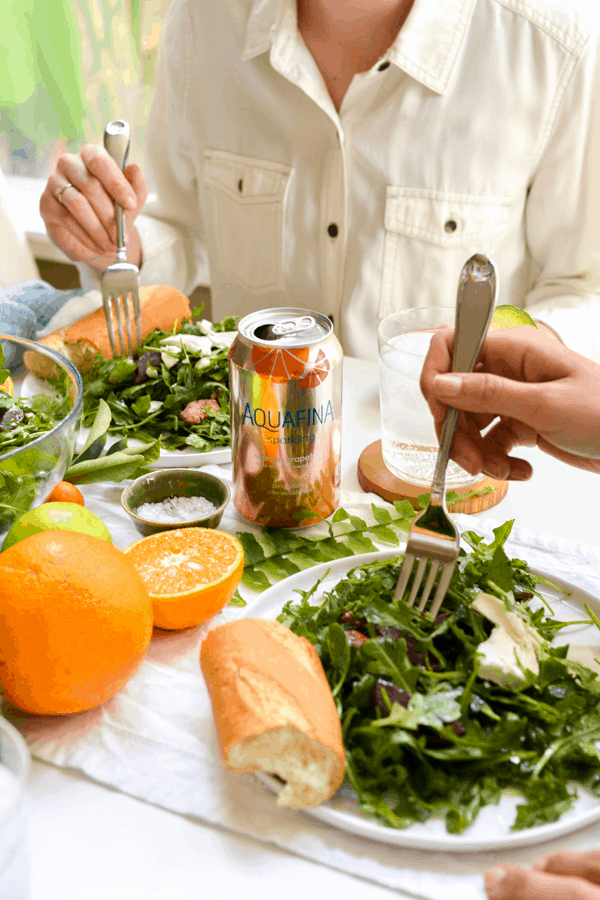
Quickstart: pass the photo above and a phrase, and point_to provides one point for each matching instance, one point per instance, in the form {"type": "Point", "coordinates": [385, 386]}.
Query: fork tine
{"type": "Point", "coordinates": [443, 585]}
{"type": "Point", "coordinates": [117, 308]}
{"type": "Point", "coordinates": [433, 570]}
{"type": "Point", "coordinates": [135, 296]}
{"type": "Point", "coordinates": [127, 314]}
{"type": "Point", "coordinates": [109, 323]}
{"type": "Point", "coordinates": [417, 581]}
{"type": "Point", "coordinates": [405, 571]}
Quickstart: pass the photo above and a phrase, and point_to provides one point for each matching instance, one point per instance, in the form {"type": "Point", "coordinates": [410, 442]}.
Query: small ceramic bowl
{"type": "Point", "coordinates": [163, 483]}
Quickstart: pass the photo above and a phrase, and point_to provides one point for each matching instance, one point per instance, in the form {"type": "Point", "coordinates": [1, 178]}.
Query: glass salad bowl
{"type": "Point", "coordinates": [37, 433]}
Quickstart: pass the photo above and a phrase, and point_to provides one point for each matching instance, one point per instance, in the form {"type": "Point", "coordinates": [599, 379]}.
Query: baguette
{"type": "Point", "coordinates": [273, 709]}
{"type": "Point", "coordinates": [161, 307]}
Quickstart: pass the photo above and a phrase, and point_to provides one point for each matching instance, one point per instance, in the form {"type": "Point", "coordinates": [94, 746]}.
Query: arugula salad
{"type": "Point", "coordinates": [177, 390]}
{"type": "Point", "coordinates": [23, 419]}
{"type": "Point", "coordinates": [441, 717]}
{"type": "Point", "coordinates": [23, 474]}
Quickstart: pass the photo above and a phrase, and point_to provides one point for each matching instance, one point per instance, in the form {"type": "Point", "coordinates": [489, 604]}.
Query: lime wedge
{"type": "Point", "coordinates": [509, 317]}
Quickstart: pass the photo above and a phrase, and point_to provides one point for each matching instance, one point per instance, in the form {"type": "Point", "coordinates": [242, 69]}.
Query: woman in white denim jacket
{"type": "Point", "coordinates": [350, 155]}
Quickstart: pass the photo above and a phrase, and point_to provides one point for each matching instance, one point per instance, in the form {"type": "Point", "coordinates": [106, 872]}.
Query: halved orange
{"type": "Point", "coordinates": [317, 373]}
{"type": "Point", "coordinates": [190, 573]}
{"type": "Point", "coordinates": [278, 364]}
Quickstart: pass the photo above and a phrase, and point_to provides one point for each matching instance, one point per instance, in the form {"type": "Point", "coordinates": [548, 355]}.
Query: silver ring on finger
{"type": "Point", "coordinates": [60, 191]}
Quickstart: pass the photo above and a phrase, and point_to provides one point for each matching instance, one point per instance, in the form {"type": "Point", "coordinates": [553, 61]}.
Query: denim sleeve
{"type": "Point", "coordinates": [27, 307]}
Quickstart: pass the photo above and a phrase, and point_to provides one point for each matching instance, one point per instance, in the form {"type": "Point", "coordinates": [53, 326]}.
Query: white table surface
{"type": "Point", "coordinates": [91, 842]}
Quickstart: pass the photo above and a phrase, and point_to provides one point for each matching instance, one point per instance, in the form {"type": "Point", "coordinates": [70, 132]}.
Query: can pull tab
{"type": "Point", "coordinates": [303, 323]}
{"type": "Point", "coordinates": [283, 329]}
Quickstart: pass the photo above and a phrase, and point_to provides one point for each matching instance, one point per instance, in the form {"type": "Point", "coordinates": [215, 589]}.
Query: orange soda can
{"type": "Point", "coordinates": [285, 380]}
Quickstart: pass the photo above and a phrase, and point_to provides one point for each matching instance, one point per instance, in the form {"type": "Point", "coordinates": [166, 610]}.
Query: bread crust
{"type": "Point", "coordinates": [264, 680]}
{"type": "Point", "coordinates": [161, 306]}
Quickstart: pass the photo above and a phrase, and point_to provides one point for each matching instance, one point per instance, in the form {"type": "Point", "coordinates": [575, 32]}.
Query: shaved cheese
{"type": "Point", "coordinates": [513, 646]}
{"type": "Point", "coordinates": [223, 339]}
{"type": "Point", "coordinates": [169, 360]}
{"type": "Point", "coordinates": [197, 344]}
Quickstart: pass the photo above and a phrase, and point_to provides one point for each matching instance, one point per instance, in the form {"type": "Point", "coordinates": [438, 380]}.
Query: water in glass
{"type": "Point", "coordinates": [409, 442]}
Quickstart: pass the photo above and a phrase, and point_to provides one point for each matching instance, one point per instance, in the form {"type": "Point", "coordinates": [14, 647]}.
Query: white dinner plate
{"type": "Point", "coordinates": [169, 459]}
{"type": "Point", "coordinates": [491, 829]}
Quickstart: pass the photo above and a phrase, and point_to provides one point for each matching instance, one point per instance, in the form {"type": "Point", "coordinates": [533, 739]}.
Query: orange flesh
{"type": "Point", "coordinates": [180, 561]}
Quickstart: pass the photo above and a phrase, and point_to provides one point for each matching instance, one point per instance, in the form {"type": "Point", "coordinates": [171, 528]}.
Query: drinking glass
{"type": "Point", "coordinates": [409, 442]}
{"type": "Point", "coordinates": [14, 843]}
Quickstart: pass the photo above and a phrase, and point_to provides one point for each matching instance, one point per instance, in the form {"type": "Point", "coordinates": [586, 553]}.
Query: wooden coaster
{"type": "Point", "coordinates": [375, 477]}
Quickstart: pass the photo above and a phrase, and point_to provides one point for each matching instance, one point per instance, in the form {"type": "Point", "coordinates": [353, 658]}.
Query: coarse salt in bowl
{"type": "Point", "coordinates": [175, 498]}
{"type": "Point", "coordinates": [176, 509]}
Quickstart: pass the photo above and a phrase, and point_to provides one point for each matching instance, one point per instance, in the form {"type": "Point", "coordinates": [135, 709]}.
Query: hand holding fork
{"type": "Point", "coordinates": [121, 280]}
{"type": "Point", "coordinates": [433, 537]}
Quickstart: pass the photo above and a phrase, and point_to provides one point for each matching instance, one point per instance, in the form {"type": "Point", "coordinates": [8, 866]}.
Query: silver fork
{"type": "Point", "coordinates": [433, 536]}
{"type": "Point", "coordinates": [121, 281]}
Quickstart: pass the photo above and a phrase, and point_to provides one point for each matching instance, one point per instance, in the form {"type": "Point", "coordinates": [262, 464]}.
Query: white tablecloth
{"type": "Point", "coordinates": [155, 742]}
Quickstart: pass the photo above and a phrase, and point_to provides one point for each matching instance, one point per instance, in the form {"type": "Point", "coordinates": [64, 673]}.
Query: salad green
{"type": "Point", "coordinates": [146, 398]}
{"type": "Point", "coordinates": [23, 419]}
{"type": "Point", "coordinates": [424, 734]}
{"type": "Point", "coordinates": [25, 467]}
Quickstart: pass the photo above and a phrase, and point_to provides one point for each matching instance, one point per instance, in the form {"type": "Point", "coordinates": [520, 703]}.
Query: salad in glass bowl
{"type": "Point", "coordinates": [37, 433]}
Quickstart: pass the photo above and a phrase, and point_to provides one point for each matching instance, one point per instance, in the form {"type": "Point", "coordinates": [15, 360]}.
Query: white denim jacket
{"type": "Point", "coordinates": [478, 131]}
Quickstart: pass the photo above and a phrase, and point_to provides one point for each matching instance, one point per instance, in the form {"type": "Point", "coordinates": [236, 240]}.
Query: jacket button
{"type": "Point", "coordinates": [332, 230]}
{"type": "Point", "coordinates": [384, 65]}
{"type": "Point", "coordinates": [241, 185]}
{"type": "Point", "coordinates": [450, 226]}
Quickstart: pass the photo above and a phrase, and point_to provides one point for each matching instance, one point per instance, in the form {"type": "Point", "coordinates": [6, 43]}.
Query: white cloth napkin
{"type": "Point", "coordinates": [155, 740]}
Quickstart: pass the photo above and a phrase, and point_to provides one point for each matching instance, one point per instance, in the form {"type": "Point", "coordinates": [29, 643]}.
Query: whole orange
{"type": "Point", "coordinates": [65, 492]}
{"type": "Point", "coordinates": [75, 622]}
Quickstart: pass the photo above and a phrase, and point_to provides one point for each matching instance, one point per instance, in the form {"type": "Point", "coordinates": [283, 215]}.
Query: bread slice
{"type": "Point", "coordinates": [273, 708]}
{"type": "Point", "coordinates": [161, 307]}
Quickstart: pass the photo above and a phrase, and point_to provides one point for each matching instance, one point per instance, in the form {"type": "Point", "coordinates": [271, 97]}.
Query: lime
{"type": "Point", "coordinates": [8, 386]}
{"type": "Point", "coordinates": [56, 517]}
{"type": "Point", "coordinates": [509, 317]}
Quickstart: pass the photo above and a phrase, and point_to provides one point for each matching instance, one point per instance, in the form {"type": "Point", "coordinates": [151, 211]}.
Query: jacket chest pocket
{"type": "Point", "coordinates": [428, 238]}
{"type": "Point", "coordinates": [247, 201]}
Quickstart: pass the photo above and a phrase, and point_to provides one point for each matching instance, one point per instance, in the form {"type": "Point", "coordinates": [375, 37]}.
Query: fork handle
{"type": "Point", "coordinates": [475, 302]}
{"type": "Point", "coordinates": [116, 142]}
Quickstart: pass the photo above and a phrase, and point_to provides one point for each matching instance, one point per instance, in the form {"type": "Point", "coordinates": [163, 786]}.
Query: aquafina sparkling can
{"type": "Point", "coordinates": [285, 376]}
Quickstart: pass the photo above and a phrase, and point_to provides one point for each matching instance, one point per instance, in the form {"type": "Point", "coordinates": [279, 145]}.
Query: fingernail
{"type": "Point", "coordinates": [493, 882]}
{"type": "Point", "coordinates": [495, 471]}
{"type": "Point", "coordinates": [449, 385]}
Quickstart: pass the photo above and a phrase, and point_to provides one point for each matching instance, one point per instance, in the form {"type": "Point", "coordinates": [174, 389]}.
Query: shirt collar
{"type": "Point", "coordinates": [429, 44]}
{"type": "Point", "coordinates": [427, 47]}
{"type": "Point", "coordinates": [263, 26]}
